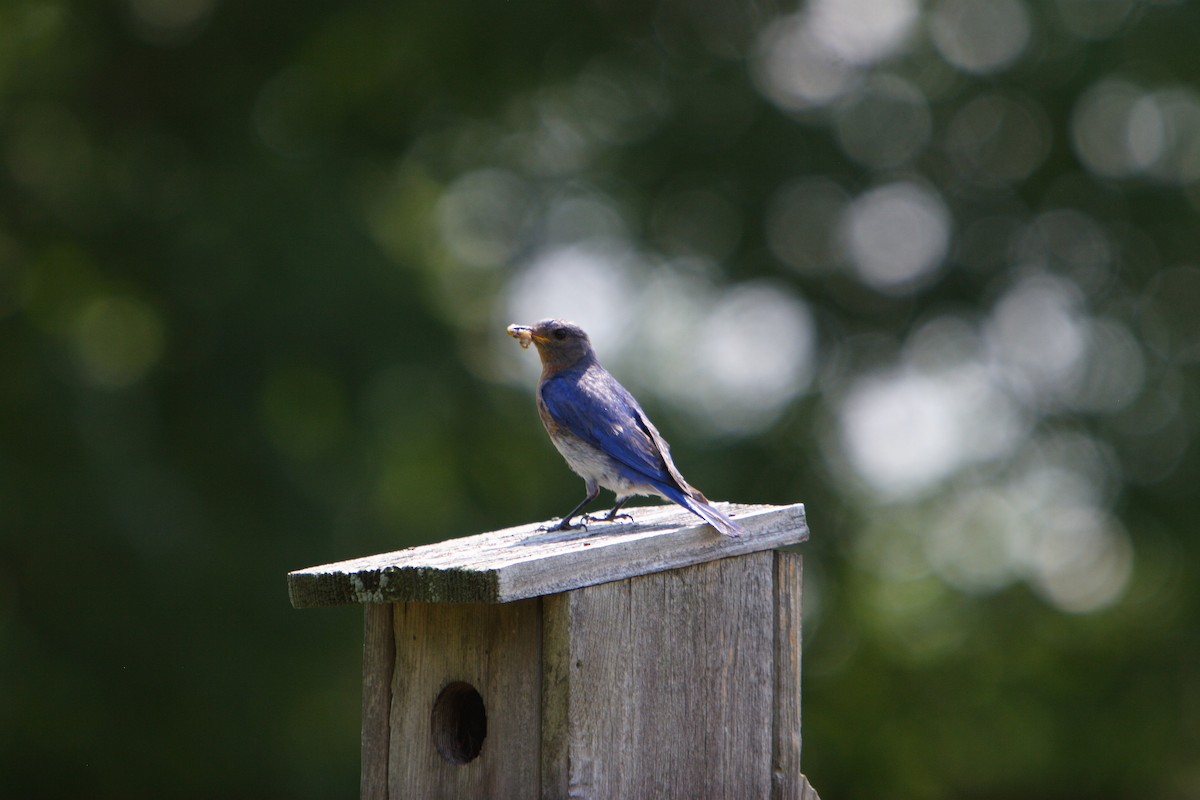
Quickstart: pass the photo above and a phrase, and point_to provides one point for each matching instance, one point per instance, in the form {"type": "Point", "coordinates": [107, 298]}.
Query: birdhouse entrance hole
{"type": "Point", "coordinates": [459, 723]}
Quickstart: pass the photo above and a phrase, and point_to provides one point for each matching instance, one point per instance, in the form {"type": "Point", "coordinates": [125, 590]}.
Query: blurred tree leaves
{"type": "Point", "coordinates": [929, 268]}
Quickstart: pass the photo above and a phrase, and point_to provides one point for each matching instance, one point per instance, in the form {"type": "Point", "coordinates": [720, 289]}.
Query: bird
{"type": "Point", "coordinates": [601, 431]}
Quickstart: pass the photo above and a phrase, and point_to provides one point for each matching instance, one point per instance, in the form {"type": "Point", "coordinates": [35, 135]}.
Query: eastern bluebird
{"type": "Point", "coordinates": [601, 430]}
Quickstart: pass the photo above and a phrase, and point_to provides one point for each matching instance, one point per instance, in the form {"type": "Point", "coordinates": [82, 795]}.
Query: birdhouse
{"type": "Point", "coordinates": [645, 658]}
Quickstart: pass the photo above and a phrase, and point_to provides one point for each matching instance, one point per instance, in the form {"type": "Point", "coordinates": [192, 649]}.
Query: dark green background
{"type": "Point", "coordinates": [238, 336]}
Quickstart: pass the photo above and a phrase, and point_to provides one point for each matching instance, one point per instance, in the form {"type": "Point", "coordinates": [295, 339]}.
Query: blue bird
{"type": "Point", "coordinates": [601, 430]}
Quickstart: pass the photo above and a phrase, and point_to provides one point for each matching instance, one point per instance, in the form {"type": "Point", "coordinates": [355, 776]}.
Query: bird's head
{"type": "Point", "coordinates": [560, 344]}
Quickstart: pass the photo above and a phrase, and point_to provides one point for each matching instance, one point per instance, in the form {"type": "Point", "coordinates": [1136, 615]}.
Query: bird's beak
{"type": "Point", "coordinates": [522, 333]}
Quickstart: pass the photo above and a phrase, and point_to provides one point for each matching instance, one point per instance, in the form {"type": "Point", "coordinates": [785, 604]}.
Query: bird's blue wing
{"type": "Point", "coordinates": [602, 413]}
{"type": "Point", "coordinates": [598, 410]}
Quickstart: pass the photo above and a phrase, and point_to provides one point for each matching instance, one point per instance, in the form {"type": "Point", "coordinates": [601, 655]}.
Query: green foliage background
{"type": "Point", "coordinates": [240, 333]}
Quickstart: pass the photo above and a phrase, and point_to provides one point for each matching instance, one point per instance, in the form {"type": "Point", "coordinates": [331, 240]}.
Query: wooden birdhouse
{"type": "Point", "coordinates": [644, 659]}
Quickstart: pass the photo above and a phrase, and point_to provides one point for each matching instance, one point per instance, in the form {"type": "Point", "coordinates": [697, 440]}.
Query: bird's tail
{"type": "Point", "coordinates": [715, 518]}
{"type": "Point", "coordinates": [701, 508]}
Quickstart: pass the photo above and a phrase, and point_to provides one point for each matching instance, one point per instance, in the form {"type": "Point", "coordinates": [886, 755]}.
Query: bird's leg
{"type": "Point", "coordinates": [593, 490]}
{"type": "Point", "coordinates": [612, 515]}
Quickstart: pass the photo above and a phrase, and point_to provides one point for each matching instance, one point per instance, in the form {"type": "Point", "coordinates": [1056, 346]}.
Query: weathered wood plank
{"type": "Point", "coordinates": [497, 650]}
{"type": "Point", "coordinates": [737, 674]}
{"type": "Point", "coordinates": [379, 658]}
{"type": "Point", "coordinates": [788, 781]}
{"type": "Point", "coordinates": [522, 562]}
{"type": "Point", "coordinates": [556, 684]}
{"type": "Point", "coordinates": [663, 685]}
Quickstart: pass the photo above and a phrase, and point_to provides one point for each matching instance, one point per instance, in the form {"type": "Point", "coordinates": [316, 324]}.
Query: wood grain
{"type": "Point", "coordinates": [556, 695]}
{"type": "Point", "coordinates": [662, 685]}
{"type": "Point", "coordinates": [379, 658]}
{"type": "Point", "coordinates": [522, 562]}
{"type": "Point", "coordinates": [788, 782]}
{"type": "Point", "coordinates": [497, 650]}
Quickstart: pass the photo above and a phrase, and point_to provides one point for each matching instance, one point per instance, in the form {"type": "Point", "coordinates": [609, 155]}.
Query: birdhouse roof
{"type": "Point", "coordinates": [525, 561]}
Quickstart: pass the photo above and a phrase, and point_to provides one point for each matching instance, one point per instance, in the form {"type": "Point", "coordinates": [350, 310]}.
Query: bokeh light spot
{"type": "Point", "coordinates": [118, 340]}
{"type": "Point", "coordinates": [1171, 302]}
{"type": "Point", "coordinates": [482, 217]}
{"type": "Point", "coordinates": [618, 105]}
{"type": "Point", "coordinates": [795, 70]}
{"type": "Point", "coordinates": [972, 544]}
{"type": "Point", "coordinates": [802, 221]}
{"type": "Point", "coordinates": [169, 22]}
{"type": "Point", "coordinates": [861, 31]}
{"type": "Point", "coordinates": [1120, 130]}
{"type": "Point", "coordinates": [1115, 371]}
{"type": "Point", "coordinates": [1044, 522]}
{"type": "Point", "coordinates": [1038, 334]}
{"type": "Point", "coordinates": [896, 235]}
{"type": "Point", "coordinates": [1067, 242]}
{"type": "Point", "coordinates": [898, 432]}
{"type": "Point", "coordinates": [884, 124]}
{"type": "Point", "coordinates": [995, 140]}
{"type": "Point", "coordinates": [579, 214]}
{"type": "Point", "coordinates": [589, 284]}
{"type": "Point", "coordinates": [753, 354]}
{"type": "Point", "coordinates": [1081, 559]}
{"type": "Point", "coordinates": [905, 431]}
{"type": "Point", "coordinates": [980, 36]}
{"type": "Point", "coordinates": [1164, 135]}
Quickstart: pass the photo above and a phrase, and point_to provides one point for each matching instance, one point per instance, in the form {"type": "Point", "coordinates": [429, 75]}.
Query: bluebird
{"type": "Point", "coordinates": [601, 431]}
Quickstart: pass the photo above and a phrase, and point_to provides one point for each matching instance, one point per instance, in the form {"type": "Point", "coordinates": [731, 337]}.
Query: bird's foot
{"type": "Point", "coordinates": [611, 516]}
{"type": "Point", "coordinates": [565, 524]}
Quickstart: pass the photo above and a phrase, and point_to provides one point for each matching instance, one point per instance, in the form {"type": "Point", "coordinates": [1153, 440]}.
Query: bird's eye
{"type": "Point", "coordinates": [560, 334]}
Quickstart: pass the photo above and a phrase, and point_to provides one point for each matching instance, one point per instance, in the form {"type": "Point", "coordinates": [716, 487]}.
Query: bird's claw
{"type": "Point", "coordinates": [610, 517]}
{"type": "Point", "coordinates": [565, 525]}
